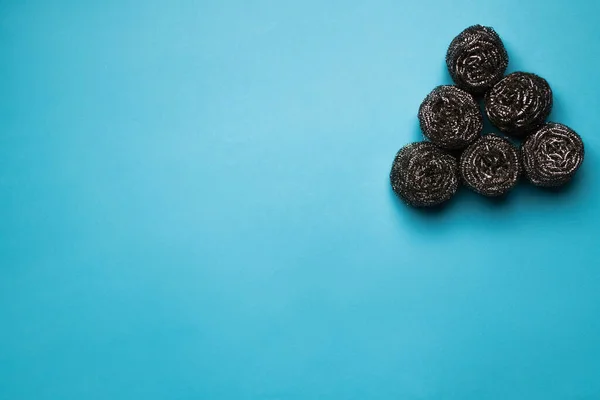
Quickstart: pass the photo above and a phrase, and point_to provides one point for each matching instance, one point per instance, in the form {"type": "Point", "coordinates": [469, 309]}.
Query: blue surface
{"type": "Point", "coordinates": [194, 204]}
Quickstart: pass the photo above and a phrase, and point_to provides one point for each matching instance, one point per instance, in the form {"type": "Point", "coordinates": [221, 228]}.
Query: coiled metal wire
{"type": "Point", "coordinates": [477, 59]}
{"type": "Point", "coordinates": [519, 103]}
{"type": "Point", "coordinates": [552, 155]}
{"type": "Point", "coordinates": [450, 117]}
{"type": "Point", "coordinates": [423, 175]}
{"type": "Point", "coordinates": [490, 166]}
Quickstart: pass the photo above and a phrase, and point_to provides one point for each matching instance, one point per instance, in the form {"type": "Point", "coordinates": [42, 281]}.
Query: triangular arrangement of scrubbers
{"type": "Point", "coordinates": [428, 173]}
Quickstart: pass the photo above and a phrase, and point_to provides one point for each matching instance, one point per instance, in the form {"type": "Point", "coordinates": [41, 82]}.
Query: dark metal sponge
{"type": "Point", "coordinates": [477, 59]}
{"type": "Point", "coordinates": [552, 155]}
{"type": "Point", "coordinates": [450, 117]}
{"type": "Point", "coordinates": [490, 166]}
{"type": "Point", "coordinates": [519, 104]}
{"type": "Point", "coordinates": [423, 175]}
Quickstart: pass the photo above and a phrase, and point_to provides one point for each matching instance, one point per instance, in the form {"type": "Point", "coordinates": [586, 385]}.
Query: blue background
{"type": "Point", "coordinates": [194, 204]}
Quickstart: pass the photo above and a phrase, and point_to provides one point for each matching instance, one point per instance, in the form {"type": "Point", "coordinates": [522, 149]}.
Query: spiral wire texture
{"type": "Point", "coordinates": [490, 166]}
{"type": "Point", "coordinates": [552, 155]}
{"type": "Point", "coordinates": [519, 104]}
{"type": "Point", "coordinates": [477, 59]}
{"type": "Point", "coordinates": [450, 117]}
{"type": "Point", "coordinates": [423, 175]}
